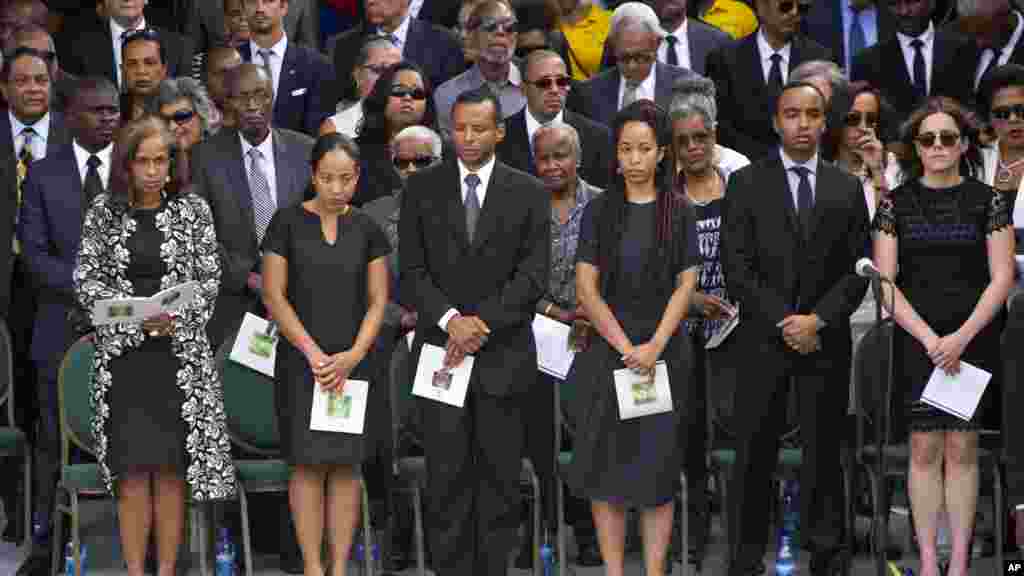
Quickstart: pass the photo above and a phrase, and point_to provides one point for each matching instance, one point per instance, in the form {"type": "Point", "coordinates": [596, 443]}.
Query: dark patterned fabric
{"type": "Point", "coordinates": [189, 251]}
{"type": "Point", "coordinates": [564, 238]}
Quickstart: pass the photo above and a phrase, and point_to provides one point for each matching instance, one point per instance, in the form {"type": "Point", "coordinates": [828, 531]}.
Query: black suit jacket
{"type": "Point", "coordinates": [595, 141]}
{"type": "Point", "coordinates": [774, 272]}
{"type": "Point", "coordinates": [57, 137]}
{"type": "Point", "coordinates": [499, 277]}
{"type": "Point", "coordinates": [88, 51]}
{"type": "Point", "coordinates": [824, 25]}
{"type": "Point", "coordinates": [885, 68]}
{"type": "Point", "coordinates": [436, 50]}
{"type": "Point", "coordinates": [219, 176]}
{"type": "Point", "coordinates": [598, 97]}
{"type": "Point", "coordinates": [299, 103]}
{"type": "Point", "coordinates": [745, 105]}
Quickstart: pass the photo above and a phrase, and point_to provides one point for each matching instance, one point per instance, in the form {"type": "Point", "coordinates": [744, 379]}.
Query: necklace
{"type": "Point", "coordinates": [1005, 173]}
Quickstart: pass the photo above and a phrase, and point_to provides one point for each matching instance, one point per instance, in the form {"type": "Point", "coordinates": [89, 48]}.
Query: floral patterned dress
{"type": "Point", "coordinates": [188, 249]}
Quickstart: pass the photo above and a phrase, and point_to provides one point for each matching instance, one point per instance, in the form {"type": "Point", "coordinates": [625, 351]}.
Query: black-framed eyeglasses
{"type": "Point", "coordinates": [854, 119]}
{"type": "Point", "coordinates": [494, 25]}
{"type": "Point", "coordinates": [551, 82]}
{"type": "Point", "coordinates": [1005, 112]}
{"type": "Point", "coordinates": [181, 117]}
{"type": "Point", "coordinates": [139, 34]}
{"type": "Point", "coordinates": [419, 162]}
{"type": "Point", "coordinates": [945, 137]}
{"type": "Point", "coordinates": [403, 91]}
{"type": "Point", "coordinates": [787, 6]}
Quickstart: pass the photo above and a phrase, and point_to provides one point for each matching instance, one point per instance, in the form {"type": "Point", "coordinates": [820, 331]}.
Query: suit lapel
{"type": "Point", "coordinates": [76, 199]}
{"type": "Point", "coordinates": [517, 133]}
{"type": "Point", "coordinates": [612, 98]}
{"type": "Point", "coordinates": [782, 184]}
{"type": "Point", "coordinates": [824, 184]}
{"type": "Point", "coordinates": [57, 135]}
{"type": "Point", "coordinates": [236, 167]}
{"type": "Point", "coordinates": [663, 80]}
{"type": "Point", "coordinates": [941, 60]}
{"type": "Point", "coordinates": [110, 62]}
{"type": "Point", "coordinates": [896, 67]}
{"type": "Point", "coordinates": [494, 204]}
{"type": "Point", "coordinates": [10, 161]}
{"type": "Point", "coordinates": [412, 39]}
{"type": "Point", "coordinates": [286, 185]}
{"type": "Point", "coordinates": [456, 209]}
{"type": "Point", "coordinates": [286, 81]}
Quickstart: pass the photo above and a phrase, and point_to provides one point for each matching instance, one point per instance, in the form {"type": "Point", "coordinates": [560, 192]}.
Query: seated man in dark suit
{"type": "Point", "coordinates": [93, 47]}
{"type": "Point", "coordinates": [750, 74]}
{"type": "Point", "coordinates": [638, 75]}
{"type": "Point", "coordinates": [56, 194]}
{"type": "Point", "coordinates": [547, 86]}
{"type": "Point", "coordinates": [436, 50]}
{"type": "Point", "coordinates": [918, 62]}
{"type": "Point", "coordinates": [298, 73]}
{"type": "Point", "coordinates": [996, 28]}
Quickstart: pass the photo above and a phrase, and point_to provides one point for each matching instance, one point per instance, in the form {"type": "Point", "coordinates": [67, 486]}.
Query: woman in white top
{"type": "Point", "coordinates": [376, 54]}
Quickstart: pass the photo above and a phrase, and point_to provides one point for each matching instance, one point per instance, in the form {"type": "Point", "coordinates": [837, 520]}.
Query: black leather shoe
{"type": "Point", "coordinates": [831, 562]}
{"type": "Point", "coordinates": [589, 556]}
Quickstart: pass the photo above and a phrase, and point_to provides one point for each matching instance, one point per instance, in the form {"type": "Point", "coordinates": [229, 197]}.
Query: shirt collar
{"type": "Point", "coordinates": [41, 127]}
{"type": "Point", "coordinates": [788, 163]}
{"type": "Point", "coordinates": [402, 32]}
{"type": "Point", "coordinates": [532, 124]}
{"type": "Point", "coordinates": [646, 85]}
{"type": "Point", "coordinates": [82, 156]}
{"type": "Point", "coordinates": [514, 77]}
{"type": "Point", "coordinates": [266, 147]}
{"type": "Point", "coordinates": [278, 48]}
{"type": "Point", "coordinates": [927, 37]}
{"type": "Point", "coordinates": [766, 50]}
{"type": "Point", "coordinates": [680, 32]}
{"type": "Point", "coordinates": [484, 173]}
{"type": "Point", "coordinates": [116, 31]}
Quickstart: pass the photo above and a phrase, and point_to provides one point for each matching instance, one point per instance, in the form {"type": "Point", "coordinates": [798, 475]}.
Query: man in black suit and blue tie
{"type": "Point", "coordinates": [474, 252]}
{"type": "Point", "coordinates": [793, 228]}
{"type": "Point", "coordinates": [635, 37]}
{"type": "Point", "coordinates": [299, 74]}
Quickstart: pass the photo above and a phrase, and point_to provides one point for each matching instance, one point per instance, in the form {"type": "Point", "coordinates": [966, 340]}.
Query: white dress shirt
{"type": "Point", "coordinates": [1004, 55]}
{"type": "Point", "coordinates": [269, 168]}
{"type": "Point", "coordinates": [484, 173]}
{"type": "Point", "coordinates": [401, 33]}
{"type": "Point", "coordinates": [682, 47]}
{"type": "Point", "coordinates": [928, 37]}
{"type": "Point", "coordinates": [42, 132]}
{"type": "Point", "coordinates": [276, 59]}
{"type": "Point", "coordinates": [82, 159]}
{"type": "Point", "coordinates": [794, 179]}
{"type": "Point", "coordinates": [116, 32]}
{"type": "Point", "coordinates": [644, 91]}
{"type": "Point", "coordinates": [767, 51]}
{"type": "Point", "coordinates": [532, 125]}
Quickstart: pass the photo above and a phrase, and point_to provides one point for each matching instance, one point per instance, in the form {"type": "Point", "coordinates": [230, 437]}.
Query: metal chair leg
{"type": "Point", "coordinates": [243, 502]}
{"type": "Point", "coordinates": [1000, 512]}
{"type": "Point", "coordinates": [417, 509]}
{"type": "Point", "coordinates": [204, 531]}
{"type": "Point", "coordinates": [538, 567]}
{"type": "Point", "coordinates": [27, 502]}
{"type": "Point", "coordinates": [58, 531]}
{"type": "Point", "coordinates": [368, 564]}
{"type": "Point", "coordinates": [684, 522]}
{"type": "Point", "coordinates": [76, 537]}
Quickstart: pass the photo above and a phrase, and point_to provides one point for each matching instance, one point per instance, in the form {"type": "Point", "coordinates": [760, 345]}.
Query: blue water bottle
{"type": "Point", "coordinates": [547, 557]}
{"type": "Point", "coordinates": [69, 559]}
{"type": "Point", "coordinates": [786, 563]}
{"type": "Point", "coordinates": [225, 551]}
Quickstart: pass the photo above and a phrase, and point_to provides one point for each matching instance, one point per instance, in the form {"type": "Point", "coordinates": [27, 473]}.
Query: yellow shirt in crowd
{"type": "Point", "coordinates": [586, 42]}
{"type": "Point", "coordinates": [732, 17]}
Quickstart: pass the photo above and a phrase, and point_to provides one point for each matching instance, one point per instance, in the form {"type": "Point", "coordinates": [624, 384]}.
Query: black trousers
{"type": "Point", "coordinates": [822, 387]}
{"type": "Point", "coordinates": [473, 456]}
{"type": "Point", "coordinates": [1013, 397]}
{"type": "Point", "coordinates": [695, 463]}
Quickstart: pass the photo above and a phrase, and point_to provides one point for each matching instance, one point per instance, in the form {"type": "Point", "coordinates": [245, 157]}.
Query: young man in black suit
{"type": "Point", "coordinates": [918, 62]}
{"type": "Point", "coordinates": [547, 85]}
{"type": "Point", "coordinates": [794, 227]}
{"type": "Point", "coordinates": [474, 251]}
{"type": "Point", "coordinates": [749, 74]}
{"type": "Point", "coordinates": [298, 73]}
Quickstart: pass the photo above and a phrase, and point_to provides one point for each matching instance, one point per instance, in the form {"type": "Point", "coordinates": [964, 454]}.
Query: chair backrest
{"type": "Point", "coordinates": [75, 382]}
{"type": "Point", "coordinates": [870, 377]}
{"type": "Point", "coordinates": [249, 404]}
{"type": "Point", "coordinates": [6, 373]}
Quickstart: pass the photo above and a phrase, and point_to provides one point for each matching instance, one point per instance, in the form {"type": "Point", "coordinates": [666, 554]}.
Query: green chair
{"type": "Point", "coordinates": [252, 425]}
{"type": "Point", "coordinates": [13, 441]}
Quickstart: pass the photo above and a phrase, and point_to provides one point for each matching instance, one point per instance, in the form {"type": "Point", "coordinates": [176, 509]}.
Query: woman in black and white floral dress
{"type": "Point", "coordinates": [158, 421]}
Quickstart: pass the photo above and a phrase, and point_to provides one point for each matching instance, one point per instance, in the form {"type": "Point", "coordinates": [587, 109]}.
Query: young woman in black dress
{"type": "Point", "coordinates": [325, 283]}
{"type": "Point", "coordinates": [947, 240]}
{"type": "Point", "coordinates": [636, 271]}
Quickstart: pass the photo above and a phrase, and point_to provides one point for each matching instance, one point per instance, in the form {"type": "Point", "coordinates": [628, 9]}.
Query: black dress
{"type": "Point", "coordinates": [943, 271]}
{"type": "Point", "coordinates": [327, 289]}
{"type": "Point", "coordinates": [146, 426]}
{"type": "Point", "coordinates": [636, 461]}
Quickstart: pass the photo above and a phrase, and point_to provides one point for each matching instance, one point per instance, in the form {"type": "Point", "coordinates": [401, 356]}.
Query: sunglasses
{"type": "Point", "coordinates": [551, 82]}
{"type": "Point", "coordinates": [787, 6]}
{"type": "Point", "coordinates": [403, 91]}
{"type": "Point", "coordinates": [181, 116]}
{"type": "Point", "coordinates": [420, 162]}
{"type": "Point", "coordinates": [854, 118]}
{"type": "Point", "coordinates": [946, 138]}
{"type": "Point", "coordinates": [493, 25]}
{"type": "Point", "coordinates": [1005, 112]}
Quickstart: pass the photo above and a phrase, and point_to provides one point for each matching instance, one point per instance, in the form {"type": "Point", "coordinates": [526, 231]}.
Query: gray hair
{"type": "Point", "coordinates": [371, 43]}
{"type": "Point", "coordinates": [174, 89]}
{"type": "Point", "coordinates": [694, 95]}
{"type": "Point", "coordinates": [976, 7]}
{"type": "Point", "coordinates": [821, 69]}
{"type": "Point", "coordinates": [420, 133]}
{"type": "Point", "coordinates": [568, 130]}
{"type": "Point", "coordinates": [631, 14]}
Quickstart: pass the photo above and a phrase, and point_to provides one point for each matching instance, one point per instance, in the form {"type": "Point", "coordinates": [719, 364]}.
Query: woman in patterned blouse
{"type": "Point", "coordinates": [158, 421]}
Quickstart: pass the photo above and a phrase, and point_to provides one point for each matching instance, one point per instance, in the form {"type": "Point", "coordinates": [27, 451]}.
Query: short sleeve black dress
{"type": "Point", "coordinates": [327, 289]}
{"type": "Point", "coordinates": [636, 461]}
{"type": "Point", "coordinates": [943, 270]}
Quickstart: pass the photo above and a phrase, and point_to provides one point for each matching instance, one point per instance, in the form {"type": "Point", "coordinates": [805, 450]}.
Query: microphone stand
{"type": "Point", "coordinates": [882, 425]}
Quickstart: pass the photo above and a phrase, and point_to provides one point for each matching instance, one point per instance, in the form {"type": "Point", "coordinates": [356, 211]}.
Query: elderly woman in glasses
{"type": "Point", "coordinates": [185, 106]}
{"type": "Point", "coordinates": [942, 220]}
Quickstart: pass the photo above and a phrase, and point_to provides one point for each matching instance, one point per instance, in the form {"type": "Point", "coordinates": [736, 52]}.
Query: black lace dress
{"type": "Point", "coordinates": [943, 271]}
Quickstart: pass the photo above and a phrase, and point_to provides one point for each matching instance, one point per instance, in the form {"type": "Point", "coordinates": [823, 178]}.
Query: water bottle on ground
{"type": "Point", "coordinates": [225, 551]}
{"type": "Point", "coordinates": [786, 562]}
{"type": "Point", "coordinates": [69, 559]}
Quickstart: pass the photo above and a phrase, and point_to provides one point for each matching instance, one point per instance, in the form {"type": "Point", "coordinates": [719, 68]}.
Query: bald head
{"type": "Point", "coordinates": [249, 74]}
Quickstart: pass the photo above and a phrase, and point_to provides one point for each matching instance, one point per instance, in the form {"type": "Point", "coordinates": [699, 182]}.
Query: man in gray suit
{"type": "Point", "coordinates": [207, 29]}
{"type": "Point", "coordinates": [246, 174]}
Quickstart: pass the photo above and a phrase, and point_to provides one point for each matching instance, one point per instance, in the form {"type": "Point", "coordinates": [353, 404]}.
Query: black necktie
{"type": "Point", "coordinates": [805, 199]}
{"type": "Point", "coordinates": [775, 73]}
{"type": "Point", "coordinates": [93, 186]}
{"type": "Point", "coordinates": [920, 75]}
{"type": "Point", "coordinates": [472, 205]}
{"type": "Point", "coordinates": [857, 40]}
{"type": "Point", "coordinates": [671, 58]}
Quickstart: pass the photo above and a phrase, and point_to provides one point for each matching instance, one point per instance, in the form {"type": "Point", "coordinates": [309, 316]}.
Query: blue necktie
{"type": "Point", "coordinates": [857, 40]}
{"type": "Point", "coordinates": [472, 205]}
